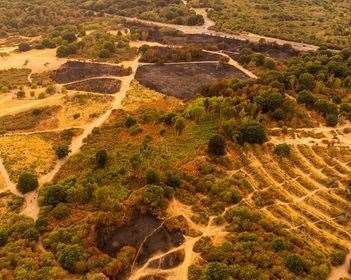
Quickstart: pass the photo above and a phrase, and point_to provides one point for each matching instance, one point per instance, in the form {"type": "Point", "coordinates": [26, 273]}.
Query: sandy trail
{"type": "Point", "coordinates": [176, 208]}
{"type": "Point", "coordinates": [235, 64]}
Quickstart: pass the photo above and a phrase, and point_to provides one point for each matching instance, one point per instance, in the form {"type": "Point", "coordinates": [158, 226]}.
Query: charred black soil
{"type": "Point", "coordinates": [73, 71]}
{"type": "Point", "coordinates": [183, 80]}
{"type": "Point", "coordinates": [145, 231]}
{"type": "Point", "coordinates": [186, 54]}
{"type": "Point", "coordinates": [98, 85]}
{"type": "Point", "coordinates": [174, 37]}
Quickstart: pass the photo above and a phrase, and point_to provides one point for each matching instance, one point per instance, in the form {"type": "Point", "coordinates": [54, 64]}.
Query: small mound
{"type": "Point", "coordinates": [73, 71]}
{"type": "Point", "coordinates": [98, 85]}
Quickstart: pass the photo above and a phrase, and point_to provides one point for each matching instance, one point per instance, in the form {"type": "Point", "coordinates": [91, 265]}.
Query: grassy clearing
{"type": "Point", "coordinates": [35, 152]}
{"type": "Point", "coordinates": [139, 97]}
{"type": "Point", "coordinates": [80, 108]}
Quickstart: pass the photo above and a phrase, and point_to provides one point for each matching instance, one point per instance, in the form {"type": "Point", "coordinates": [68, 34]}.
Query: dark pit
{"type": "Point", "coordinates": [157, 238]}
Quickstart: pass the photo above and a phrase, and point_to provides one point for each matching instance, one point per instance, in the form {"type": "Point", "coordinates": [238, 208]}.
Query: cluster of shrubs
{"type": "Point", "coordinates": [172, 11]}
{"type": "Point", "coordinates": [247, 56]}
{"type": "Point", "coordinates": [320, 80]}
{"type": "Point", "coordinates": [257, 249]}
{"type": "Point", "coordinates": [161, 54]}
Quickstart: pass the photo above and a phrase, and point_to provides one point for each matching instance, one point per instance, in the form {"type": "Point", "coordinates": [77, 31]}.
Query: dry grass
{"type": "Point", "coordinates": [28, 152]}
{"type": "Point", "coordinates": [139, 97]}
{"type": "Point", "coordinates": [80, 108]}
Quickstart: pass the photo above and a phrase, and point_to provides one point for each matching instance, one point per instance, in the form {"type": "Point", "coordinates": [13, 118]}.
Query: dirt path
{"type": "Point", "coordinates": [9, 185]}
{"type": "Point", "coordinates": [12, 106]}
{"type": "Point", "coordinates": [176, 208]}
{"type": "Point", "coordinates": [235, 64]}
{"type": "Point", "coordinates": [205, 29]}
{"type": "Point", "coordinates": [32, 208]}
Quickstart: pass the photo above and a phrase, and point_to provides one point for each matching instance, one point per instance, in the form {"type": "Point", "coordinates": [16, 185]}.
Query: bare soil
{"type": "Point", "coordinates": [183, 80]}
{"type": "Point", "coordinates": [73, 71]}
{"type": "Point", "coordinates": [96, 85]}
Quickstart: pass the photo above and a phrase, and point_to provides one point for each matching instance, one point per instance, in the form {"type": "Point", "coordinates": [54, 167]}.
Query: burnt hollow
{"type": "Point", "coordinates": [184, 80]}
{"type": "Point", "coordinates": [96, 85]}
{"type": "Point", "coordinates": [73, 71]}
{"type": "Point", "coordinates": [146, 230]}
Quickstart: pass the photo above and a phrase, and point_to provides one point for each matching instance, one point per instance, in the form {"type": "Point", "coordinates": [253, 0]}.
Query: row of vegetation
{"type": "Point", "coordinates": [173, 11]}
{"type": "Point", "coordinates": [321, 23]}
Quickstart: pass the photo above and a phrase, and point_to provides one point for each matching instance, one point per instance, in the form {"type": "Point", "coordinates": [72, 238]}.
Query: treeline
{"type": "Point", "coordinates": [320, 80]}
{"type": "Point", "coordinates": [173, 11]}
{"type": "Point", "coordinates": [32, 18]}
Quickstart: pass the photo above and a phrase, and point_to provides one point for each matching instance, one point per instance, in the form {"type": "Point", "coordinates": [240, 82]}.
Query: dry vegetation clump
{"type": "Point", "coordinates": [13, 78]}
{"type": "Point", "coordinates": [80, 108]}
{"type": "Point", "coordinates": [30, 120]}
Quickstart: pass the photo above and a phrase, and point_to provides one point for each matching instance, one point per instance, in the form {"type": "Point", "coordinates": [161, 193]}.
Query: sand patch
{"type": "Point", "coordinates": [37, 60]}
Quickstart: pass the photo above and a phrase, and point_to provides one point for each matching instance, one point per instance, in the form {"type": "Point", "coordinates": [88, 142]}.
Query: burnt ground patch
{"type": "Point", "coordinates": [184, 54]}
{"type": "Point", "coordinates": [73, 71]}
{"type": "Point", "coordinates": [111, 239]}
{"type": "Point", "coordinates": [184, 80]}
{"type": "Point", "coordinates": [174, 37]}
{"type": "Point", "coordinates": [97, 85]}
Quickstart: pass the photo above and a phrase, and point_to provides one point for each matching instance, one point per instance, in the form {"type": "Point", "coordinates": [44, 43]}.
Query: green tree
{"type": "Point", "coordinates": [282, 150]}
{"type": "Point", "coordinates": [27, 182]}
{"type": "Point", "coordinates": [101, 159]}
{"type": "Point", "coordinates": [295, 263]}
{"type": "Point", "coordinates": [62, 151]}
{"type": "Point", "coordinates": [217, 146]}
{"type": "Point", "coordinates": [154, 195]}
{"type": "Point", "coordinates": [24, 47]}
{"type": "Point", "coordinates": [252, 132]}
{"type": "Point", "coordinates": [179, 125]}
{"type": "Point", "coordinates": [338, 257]}
{"type": "Point", "coordinates": [69, 255]}
{"type": "Point", "coordinates": [331, 120]}
{"type": "Point", "coordinates": [306, 81]}
{"type": "Point", "coordinates": [216, 271]}
{"type": "Point", "coordinates": [54, 194]}
{"type": "Point", "coordinates": [152, 177]}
